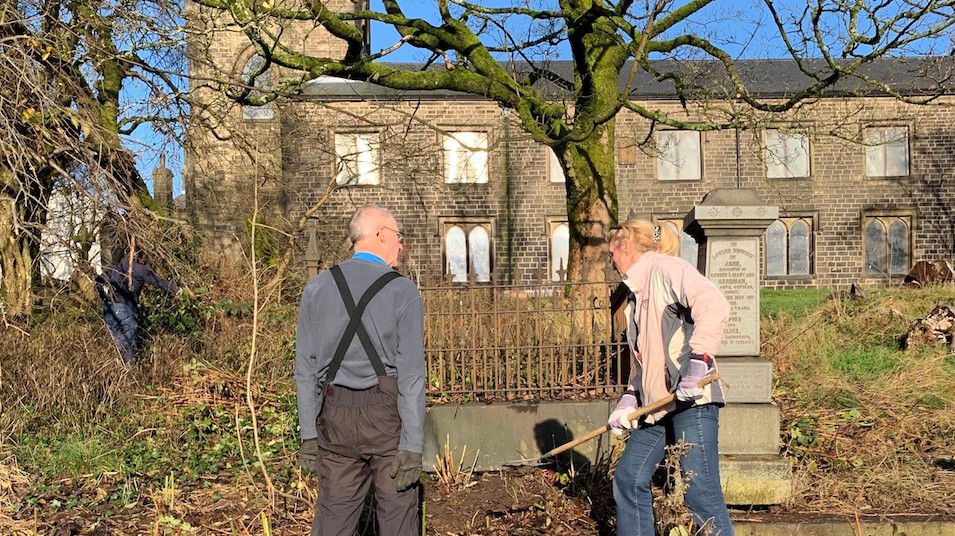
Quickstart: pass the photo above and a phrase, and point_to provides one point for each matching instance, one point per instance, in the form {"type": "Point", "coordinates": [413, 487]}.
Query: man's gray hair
{"type": "Point", "coordinates": [362, 221]}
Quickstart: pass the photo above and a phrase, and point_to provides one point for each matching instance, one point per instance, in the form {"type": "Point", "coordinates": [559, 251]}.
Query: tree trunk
{"type": "Point", "coordinates": [591, 202]}
{"type": "Point", "coordinates": [16, 261]}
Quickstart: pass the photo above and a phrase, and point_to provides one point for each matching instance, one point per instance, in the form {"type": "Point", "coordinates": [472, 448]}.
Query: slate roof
{"type": "Point", "coordinates": [765, 78]}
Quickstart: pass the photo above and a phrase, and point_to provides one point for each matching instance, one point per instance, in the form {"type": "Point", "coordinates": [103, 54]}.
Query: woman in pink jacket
{"type": "Point", "coordinates": [674, 325]}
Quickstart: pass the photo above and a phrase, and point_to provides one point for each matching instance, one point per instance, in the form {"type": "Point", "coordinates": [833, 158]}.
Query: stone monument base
{"type": "Point", "coordinates": [496, 435]}
{"type": "Point", "coordinates": [755, 480]}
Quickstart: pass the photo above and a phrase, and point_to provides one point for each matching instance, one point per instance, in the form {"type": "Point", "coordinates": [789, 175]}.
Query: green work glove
{"type": "Point", "coordinates": [406, 469]}
{"type": "Point", "coordinates": [308, 455]}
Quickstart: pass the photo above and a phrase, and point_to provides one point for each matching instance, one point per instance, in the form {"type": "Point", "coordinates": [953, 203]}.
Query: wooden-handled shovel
{"type": "Point", "coordinates": [634, 415]}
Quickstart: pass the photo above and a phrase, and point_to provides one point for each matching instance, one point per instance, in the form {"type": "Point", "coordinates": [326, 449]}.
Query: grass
{"type": "Point", "coordinates": [863, 418]}
{"type": "Point", "coordinates": [790, 303]}
{"type": "Point", "coordinates": [862, 363]}
{"type": "Point", "coordinates": [73, 454]}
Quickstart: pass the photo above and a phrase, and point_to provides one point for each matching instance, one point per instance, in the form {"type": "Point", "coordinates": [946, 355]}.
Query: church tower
{"type": "Point", "coordinates": [233, 152]}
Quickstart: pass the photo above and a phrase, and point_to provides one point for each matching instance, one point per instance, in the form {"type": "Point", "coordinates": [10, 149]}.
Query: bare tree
{"type": "Point", "coordinates": [79, 77]}
{"type": "Point", "coordinates": [691, 48]}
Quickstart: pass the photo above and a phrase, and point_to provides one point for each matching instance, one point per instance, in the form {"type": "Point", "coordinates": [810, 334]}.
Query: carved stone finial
{"type": "Point", "coordinates": [312, 257]}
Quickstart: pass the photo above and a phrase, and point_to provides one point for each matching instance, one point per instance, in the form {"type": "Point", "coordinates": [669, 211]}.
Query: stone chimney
{"type": "Point", "coordinates": [162, 184]}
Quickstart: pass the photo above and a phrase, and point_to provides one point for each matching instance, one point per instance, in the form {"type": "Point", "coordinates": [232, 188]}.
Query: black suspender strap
{"type": "Point", "coordinates": [354, 322]}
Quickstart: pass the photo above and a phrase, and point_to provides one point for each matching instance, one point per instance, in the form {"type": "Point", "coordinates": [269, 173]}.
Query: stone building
{"type": "Point", "coordinates": [863, 181]}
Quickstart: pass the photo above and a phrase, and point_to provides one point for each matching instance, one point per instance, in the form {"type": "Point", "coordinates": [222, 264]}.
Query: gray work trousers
{"type": "Point", "coordinates": [358, 435]}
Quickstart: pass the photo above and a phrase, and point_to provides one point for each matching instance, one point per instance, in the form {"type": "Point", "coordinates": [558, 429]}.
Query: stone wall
{"type": "Point", "coordinates": [838, 193]}
{"type": "Point", "coordinates": [412, 180]}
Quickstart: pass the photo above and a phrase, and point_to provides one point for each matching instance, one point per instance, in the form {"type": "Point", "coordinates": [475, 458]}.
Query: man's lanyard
{"type": "Point", "coordinates": [354, 322]}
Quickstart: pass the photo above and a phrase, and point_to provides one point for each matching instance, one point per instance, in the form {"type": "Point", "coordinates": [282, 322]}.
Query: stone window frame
{"type": "Point", "coordinates": [338, 170]}
{"type": "Point", "coordinates": [789, 131]}
{"type": "Point", "coordinates": [552, 224]}
{"type": "Point", "coordinates": [886, 218]}
{"type": "Point", "coordinates": [689, 249]}
{"type": "Point", "coordinates": [870, 149]}
{"type": "Point", "coordinates": [788, 221]}
{"type": "Point", "coordinates": [445, 224]}
{"type": "Point", "coordinates": [447, 134]}
{"type": "Point", "coordinates": [555, 174]}
{"type": "Point", "coordinates": [661, 157]}
{"type": "Point", "coordinates": [241, 71]}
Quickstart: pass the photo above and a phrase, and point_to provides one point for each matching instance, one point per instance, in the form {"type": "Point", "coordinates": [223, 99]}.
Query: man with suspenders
{"type": "Point", "coordinates": [359, 375]}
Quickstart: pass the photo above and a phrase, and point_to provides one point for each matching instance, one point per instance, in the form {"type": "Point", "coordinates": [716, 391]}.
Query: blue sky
{"type": "Point", "coordinates": [742, 24]}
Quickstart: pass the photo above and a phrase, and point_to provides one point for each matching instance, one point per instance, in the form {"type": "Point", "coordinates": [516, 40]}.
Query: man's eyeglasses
{"type": "Point", "coordinates": [401, 236]}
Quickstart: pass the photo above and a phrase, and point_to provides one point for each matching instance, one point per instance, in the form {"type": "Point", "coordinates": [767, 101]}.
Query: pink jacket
{"type": "Point", "coordinates": [681, 312]}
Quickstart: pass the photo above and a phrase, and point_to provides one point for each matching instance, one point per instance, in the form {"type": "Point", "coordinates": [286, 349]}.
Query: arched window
{"type": "Point", "coordinates": [875, 248]}
{"type": "Point", "coordinates": [788, 246]}
{"type": "Point", "coordinates": [799, 248]}
{"type": "Point", "coordinates": [776, 249]}
{"type": "Point", "coordinates": [456, 254]}
{"type": "Point", "coordinates": [898, 248]}
{"type": "Point", "coordinates": [479, 249]}
{"type": "Point", "coordinates": [468, 252]}
{"type": "Point", "coordinates": [262, 82]}
{"type": "Point", "coordinates": [690, 250]}
{"type": "Point", "coordinates": [559, 251]}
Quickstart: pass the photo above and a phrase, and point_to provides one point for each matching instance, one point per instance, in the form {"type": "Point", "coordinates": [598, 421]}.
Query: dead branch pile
{"type": "Point", "coordinates": [935, 328]}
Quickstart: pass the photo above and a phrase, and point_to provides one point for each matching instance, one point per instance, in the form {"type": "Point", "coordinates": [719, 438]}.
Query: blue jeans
{"type": "Point", "coordinates": [122, 323]}
{"type": "Point", "coordinates": [696, 425]}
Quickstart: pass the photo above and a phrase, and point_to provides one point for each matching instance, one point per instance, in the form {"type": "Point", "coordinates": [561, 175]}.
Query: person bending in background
{"type": "Point", "coordinates": [359, 376]}
{"type": "Point", "coordinates": [675, 322]}
{"type": "Point", "coordinates": [119, 287]}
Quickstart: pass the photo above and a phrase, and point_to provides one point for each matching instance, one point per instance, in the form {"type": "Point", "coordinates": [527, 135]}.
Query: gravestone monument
{"type": "Point", "coordinates": [728, 225]}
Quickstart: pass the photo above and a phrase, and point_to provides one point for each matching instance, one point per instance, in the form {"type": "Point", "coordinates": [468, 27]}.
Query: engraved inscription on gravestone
{"type": "Point", "coordinates": [733, 266]}
{"type": "Point", "coordinates": [746, 380]}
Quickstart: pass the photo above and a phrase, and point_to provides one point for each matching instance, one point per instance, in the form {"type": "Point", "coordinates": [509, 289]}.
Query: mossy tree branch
{"type": "Point", "coordinates": [575, 115]}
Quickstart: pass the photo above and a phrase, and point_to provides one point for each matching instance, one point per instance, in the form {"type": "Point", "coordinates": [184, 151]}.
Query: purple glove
{"type": "Point", "coordinates": [687, 390]}
{"type": "Point", "coordinates": [618, 420]}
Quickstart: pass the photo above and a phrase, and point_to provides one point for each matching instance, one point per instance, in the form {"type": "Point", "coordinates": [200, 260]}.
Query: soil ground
{"type": "Point", "coordinates": [514, 502]}
{"type": "Point", "coordinates": [518, 501]}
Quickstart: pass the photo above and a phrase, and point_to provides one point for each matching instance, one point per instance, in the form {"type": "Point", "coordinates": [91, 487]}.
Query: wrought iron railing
{"type": "Point", "coordinates": [523, 342]}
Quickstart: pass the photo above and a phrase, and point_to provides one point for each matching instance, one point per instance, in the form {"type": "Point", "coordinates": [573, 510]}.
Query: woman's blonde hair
{"type": "Point", "coordinates": [645, 236]}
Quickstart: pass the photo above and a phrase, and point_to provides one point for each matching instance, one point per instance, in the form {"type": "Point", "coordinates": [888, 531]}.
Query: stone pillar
{"type": "Point", "coordinates": [312, 258]}
{"type": "Point", "coordinates": [729, 224]}
{"type": "Point", "coordinates": [162, 184]}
